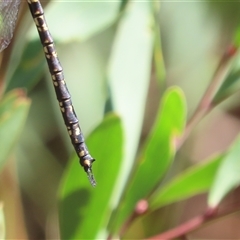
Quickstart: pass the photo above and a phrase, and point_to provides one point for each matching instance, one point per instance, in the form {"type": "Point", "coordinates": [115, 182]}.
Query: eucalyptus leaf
{"type": "Point", "coordinates": [158, 55]}
{"type": "Point", "coordinates": [192, 181]}
{"type": "Point", "coordinates": [231, 84]}
{"type": "Point", "coordinates": [157, 154]}
{"type": "Point", "coordinates": [227, 177]}
{"type": "Point", "coordinates": [129, 76]}
{"type": "Point", "coordinates": [84, 209]}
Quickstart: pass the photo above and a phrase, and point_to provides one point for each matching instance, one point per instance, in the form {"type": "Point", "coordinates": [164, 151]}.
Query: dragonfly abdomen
{"type": "Point", "coordinates": [62, 93]}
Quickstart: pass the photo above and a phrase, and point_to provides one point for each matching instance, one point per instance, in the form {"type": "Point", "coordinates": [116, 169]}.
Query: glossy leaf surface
{"type": "Point", "coordinates": [129, 76]}
{"type": "Point", "coordinates": [190, 182]}
{"type": "Point", "coordinates": [227, 177]}
{"type": "Point", "coordinates": [158, 153]}
{"type": "Point", "coordinates": [84, 209]}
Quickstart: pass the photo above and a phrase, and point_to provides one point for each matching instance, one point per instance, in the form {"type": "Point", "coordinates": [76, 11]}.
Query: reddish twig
{"type": "Point", "coordinates": [140, 209]}
{"type": "Point", "coordinates": [193, 224]}
{"type": "Point", "coordinates": [204, 107]}
{"type": "Point", "coordinates": [206, 103]}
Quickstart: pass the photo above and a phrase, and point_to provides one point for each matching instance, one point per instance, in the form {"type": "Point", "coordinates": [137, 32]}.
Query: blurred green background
{"type": "Point", "coordinates": [118, 57]}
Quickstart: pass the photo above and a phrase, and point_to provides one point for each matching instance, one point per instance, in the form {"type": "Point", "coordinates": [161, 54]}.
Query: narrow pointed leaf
{"type": "Point", "coordinates": [157, 155]}
{"type": "Point", "coordinates": [129, 76]}
{"type": "Point", "coordinates": [84, 209]}
{"type": "Point", "coordinates": [230, 85]}
{"type": "Point", "coordinates": [195, 180]}
{"type": "Point", "coordinates": [227, 177]}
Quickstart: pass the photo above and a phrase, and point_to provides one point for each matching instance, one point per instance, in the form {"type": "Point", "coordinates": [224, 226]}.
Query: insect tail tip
{"type": "Point", "coordinates": [91, 178]}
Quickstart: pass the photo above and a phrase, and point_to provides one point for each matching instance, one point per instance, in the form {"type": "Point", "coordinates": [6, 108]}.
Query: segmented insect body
{"type": "Point", "coordinates": [8, 11]}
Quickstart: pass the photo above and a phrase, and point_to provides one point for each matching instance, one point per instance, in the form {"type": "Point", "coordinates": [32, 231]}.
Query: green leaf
{"type": "Point", "coordinates": [231, 83]}
{"type": "Point", "coordinates": [227, 177]}
{"type": "Point", "coordinates": [236, 40]}
{"type": "Point", "coordinates": [123, 4]}
{"type": "Point", "coordinates": [84, 18]}
{"type": "Point", "coordinates": [129, 76]}
{"type": "Point", "coordinates": [84, 209]}
{"type": "Point", "coordinates": [30, 69]}
{"type": "Point", "coordinates": [195, 180]}
{"type": "Point", "coordinates": [13, 112]}
{"type": "Point", "coordinates": [2, 222]}
{"type": "Point", "coordinates": [157, 154]}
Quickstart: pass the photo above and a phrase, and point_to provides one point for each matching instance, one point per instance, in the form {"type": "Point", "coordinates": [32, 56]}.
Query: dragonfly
{"type": "Point", "coordinates": [8, 17]}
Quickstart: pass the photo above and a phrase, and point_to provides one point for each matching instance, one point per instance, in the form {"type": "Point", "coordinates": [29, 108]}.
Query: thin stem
{"type": "Point", "coordinates": [140, 209]}
{"type": "Point", "coordinates": [206, 103]}
{"type": "Point", "coordinates": [204, 107]}
{"type": "Point", "coordinates": [193, 224]}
